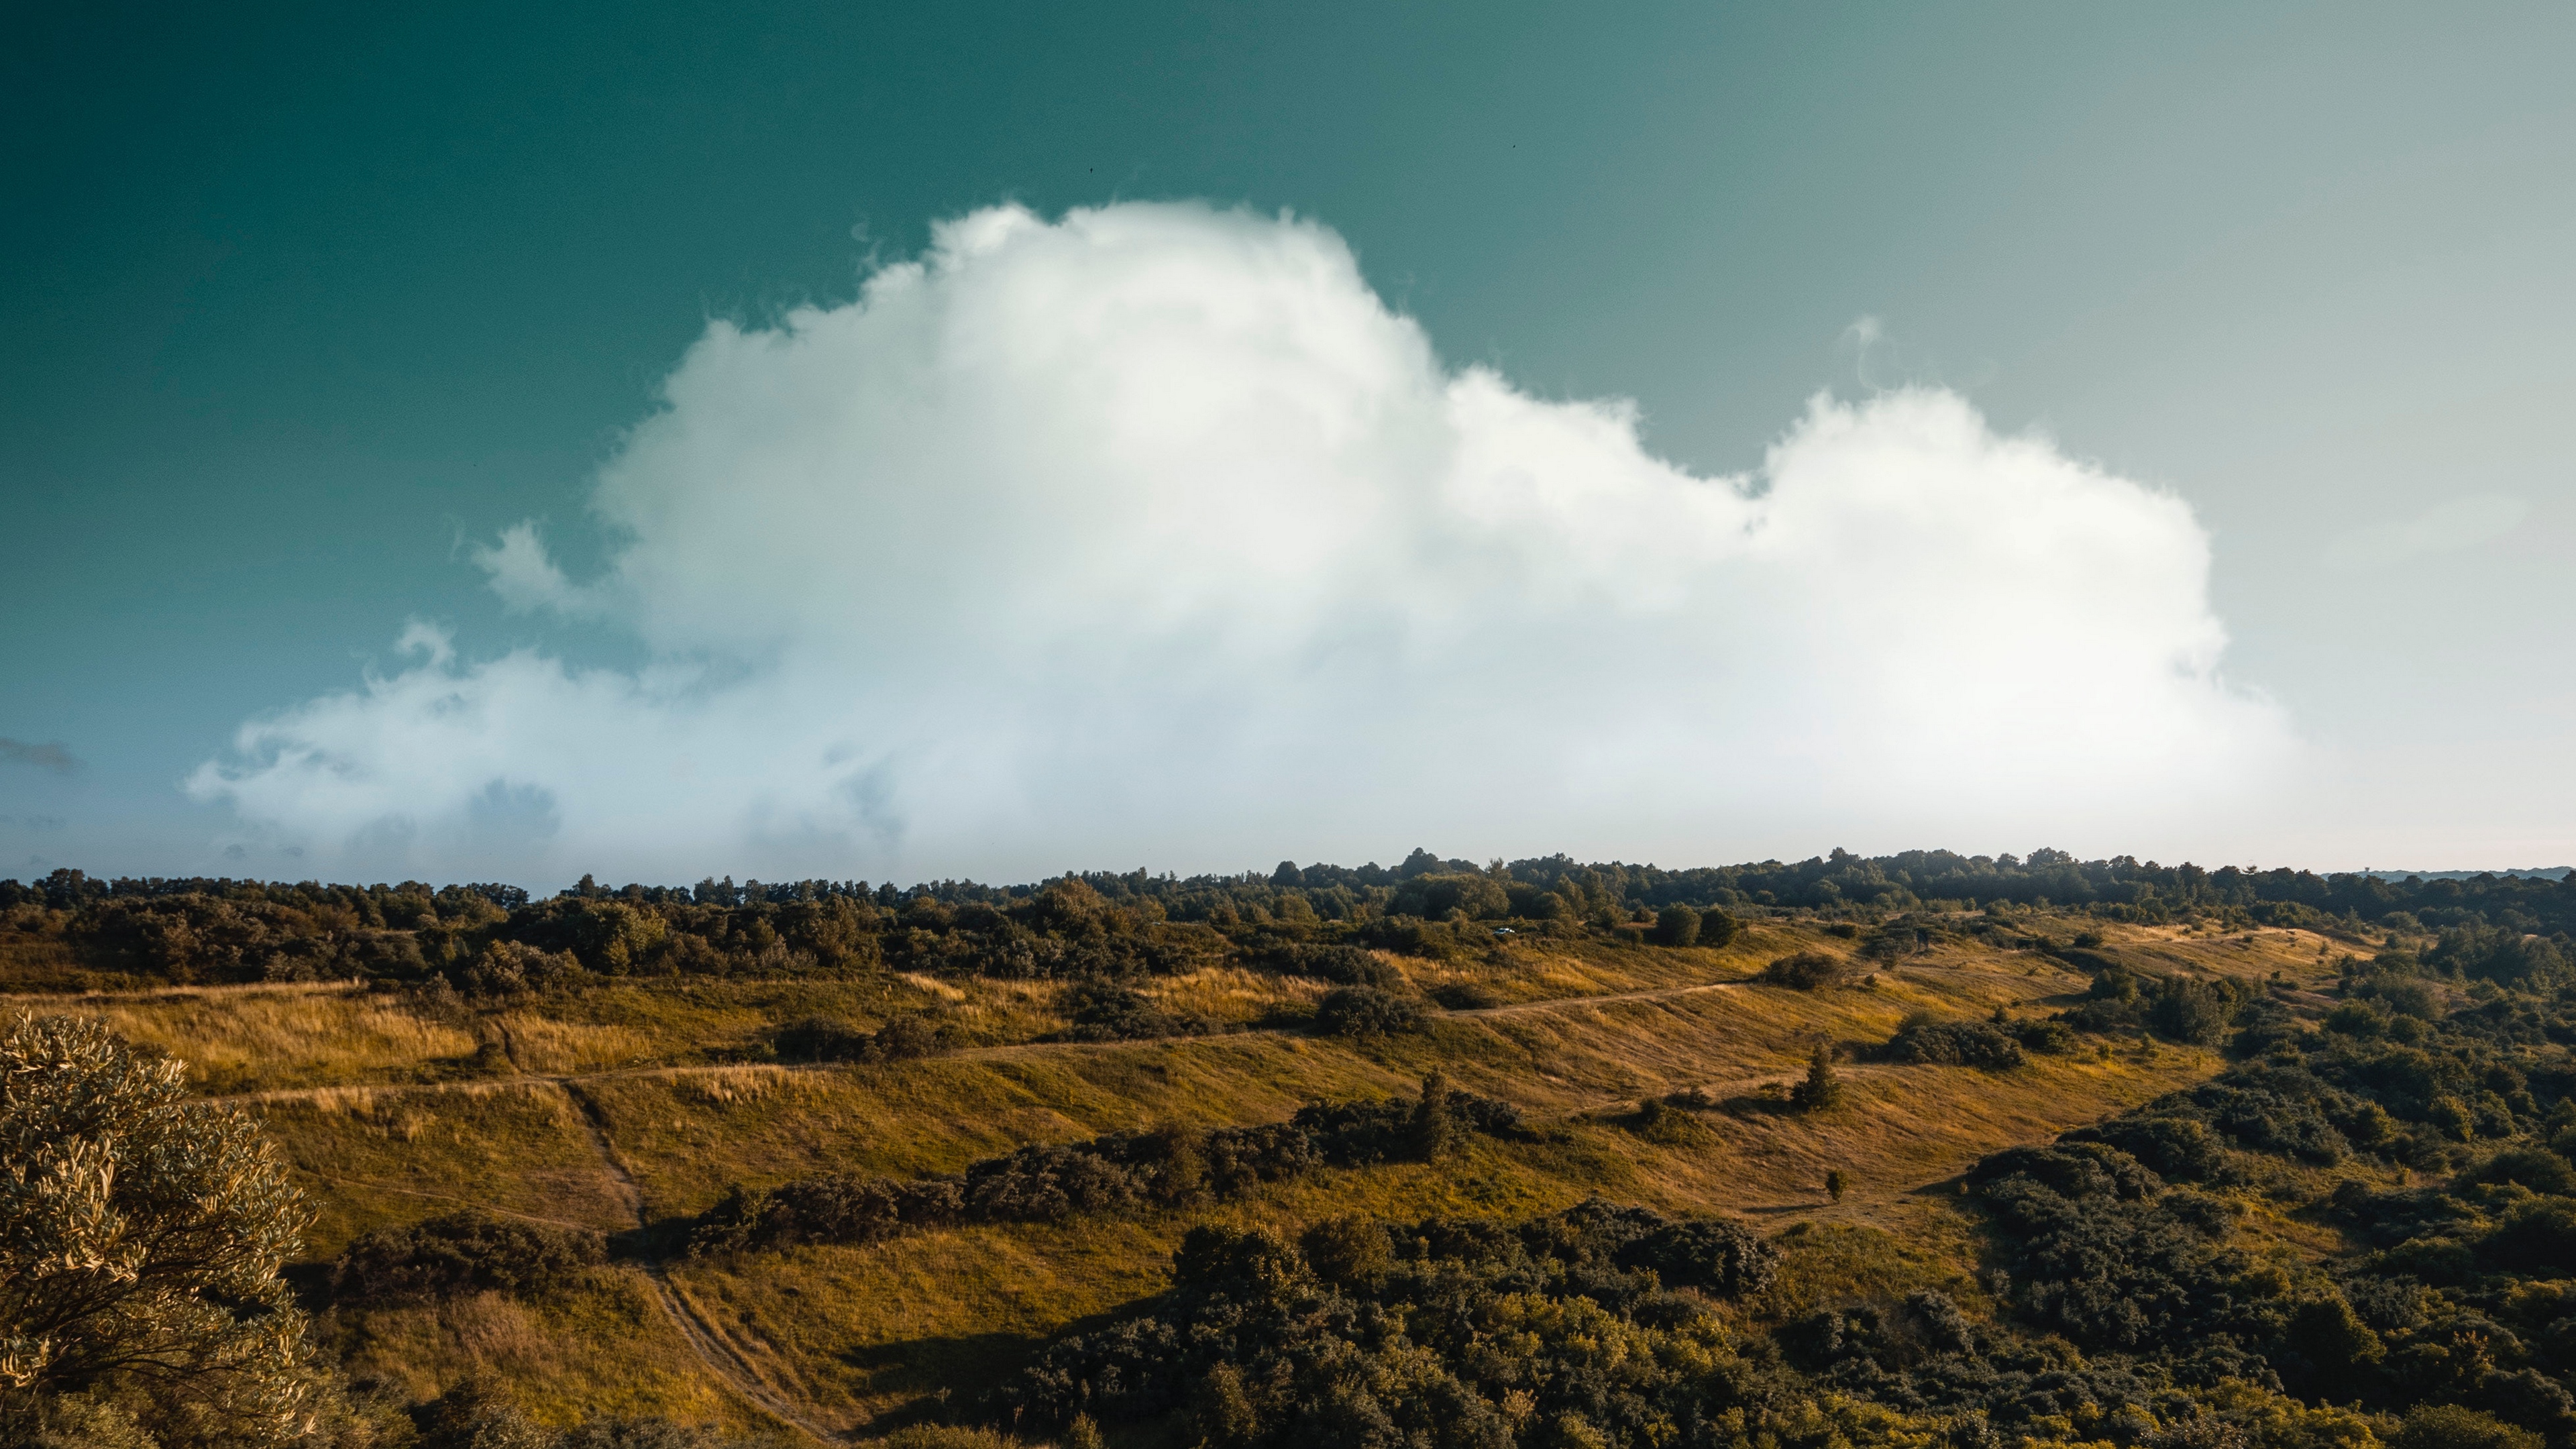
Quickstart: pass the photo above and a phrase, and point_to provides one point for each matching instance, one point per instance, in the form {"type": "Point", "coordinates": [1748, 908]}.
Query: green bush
{"type": "Point", "coordinates": [1365, 1011]}
{"type": "Point", "coordinates": [1924, 1039]}
{"type": "Point", "coordinates": [830, 1039]}
{"type": "Point", "coordinates": [2455, 1426]}
{"type": "Point", "coordinates": [1717, 928]}
{"type": "Point", "coordinates": [463, 1252]}
{"type": "Point", "coordinates": [1676, 926]}
{"type": "Point", "coordinates": [2191, 1011]}
{"type": "Point", "coordinates": [1808, 971]}
{"type": "Point", "coordinates": [1103, 1011]}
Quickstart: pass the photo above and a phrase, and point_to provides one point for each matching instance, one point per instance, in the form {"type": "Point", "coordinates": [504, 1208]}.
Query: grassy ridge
{"type": "Point", "coordinates": [397, 1113]}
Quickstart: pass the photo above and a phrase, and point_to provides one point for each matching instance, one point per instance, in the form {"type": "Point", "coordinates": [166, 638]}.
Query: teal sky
{"type": "Point", "coordinates": [301, 303]}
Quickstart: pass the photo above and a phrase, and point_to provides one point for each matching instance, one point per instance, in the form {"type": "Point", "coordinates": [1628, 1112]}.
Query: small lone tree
{"type": "Point", "coordinates": [1822, 1088]}
{"type": "Point", "coordinates": [140, 1239]}
{"type": "Point", "coordinates": [1837, 1182]}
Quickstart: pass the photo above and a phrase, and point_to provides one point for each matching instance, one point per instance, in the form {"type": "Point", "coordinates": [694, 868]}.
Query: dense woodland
{"type": "Point", "coordinates": [70, 929]}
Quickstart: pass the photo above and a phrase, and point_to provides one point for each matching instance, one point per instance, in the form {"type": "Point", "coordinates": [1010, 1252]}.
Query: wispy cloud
{"type": "Point", "coordinates": [1151, 534]}
{"type": "Point", "coordinates": [53, 757]}
{"type": "Point", "coordinates": [2446, 527]}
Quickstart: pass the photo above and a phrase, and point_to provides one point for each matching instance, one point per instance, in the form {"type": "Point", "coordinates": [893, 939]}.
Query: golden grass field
{"type": "Point", "coordinates": [548, 1108]}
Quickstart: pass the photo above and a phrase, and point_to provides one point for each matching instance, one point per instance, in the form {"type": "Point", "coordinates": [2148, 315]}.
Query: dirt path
{"type": "Point", "coordinates": [1560, 1003]}
{"type": "Point", "coordinates": [704, 1339]}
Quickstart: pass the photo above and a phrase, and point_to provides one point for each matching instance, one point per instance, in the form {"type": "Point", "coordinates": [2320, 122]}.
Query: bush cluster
{"type": "Point", "coordinates": [458, 1253]}
{"type": "Point", "coordinates": [1342, 964]}
{"type": "Point", "coordinates": [1808, 971]}
{"type": "Point", "coordinates": [1120, 1172]}
{"type": "Point", "coordinates": [1924, 1038]}
{"type": "Point", "coordinates": [2177, 1008]}
{"type": "Point", "coordinates": [1106, 1011]}
{"type": "Point", "coordinates": [1368, 1011]}
{"type": "Point", "coordinates": [830, 1039]}
{"type": "Point", "coordinates": [1442, 1333]}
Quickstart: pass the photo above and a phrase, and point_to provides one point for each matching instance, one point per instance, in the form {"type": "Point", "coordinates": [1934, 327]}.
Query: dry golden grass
{"type": "Point", "coordinates": [1233, 996]}
{"type": "Point", "coordinates": [241, 1039]}
{"type": "Point", "coordinates": [607, 1347]}
{"type": "Point", "coordinates": [542, 1044]}
{"type": "Point", "coordinates": [371, 1158]}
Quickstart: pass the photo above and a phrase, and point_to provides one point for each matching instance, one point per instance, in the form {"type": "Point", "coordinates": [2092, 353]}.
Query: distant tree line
{"type": "Point", "coordinates": [1318, 919]}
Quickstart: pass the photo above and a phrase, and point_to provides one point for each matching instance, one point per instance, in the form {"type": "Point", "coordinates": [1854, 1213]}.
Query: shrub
{"type": "Point", "coordinates": [2179, 1148]}
{"type": "Point", "coordinates": [2546, 1173]}
{"type": "Point", "coordinates": [1807, 971]}
{"type": "Point", "coordinates": [1666, 1127]}
{"type": "Point", "coordinates": [140, 1239]}
{"type": "Point", "coordinates": [1105, 1012]}
{"type": "Point", "coordinates": [1464, 996]}
{"type": "Point", "coordinates": [1365, 1011]}
{"type": "Point", "coordinates": [2453, 1426]}
{"type": "Point", "coordinates": [507, 968]}
{"type": "Point", "coordinates": [1348, 1250]}
{"type": "Point", "coordinates": [1821, 1088]}
{"type": "Point", "coordinates": [830, 1039]}
{"type": "Point", "coordinates": [2048, 1038]}
{"type": "Point", "coordinates": [1717, 928]}
{"type": "Point", "coordinates": [1048, 1184]}
{"type": "Point", "coordinates": [1923, 1039]}
{"type": "Point", "coordinates": [2537, 1238]}
{"type": "Point", "coordinates": [459, 1253]}
{"type": "Point", "coordinates": [821, 1039]}
{"type": "Point", "coordinates": [1676, 926]}
{"type": "Point", "coordinates": [1342, 964]}
{"type": "Point", "coordinates": [906, 1037]}
{"type": "Point", "coordinates": [1721, 1257]}
{"type": "Point", "coordinates": [2185, 1010]}
{"type": "Point", "coordinates": [2400, 996]}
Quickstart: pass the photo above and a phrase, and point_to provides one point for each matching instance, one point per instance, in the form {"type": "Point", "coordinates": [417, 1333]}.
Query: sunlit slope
{"type": "Point", "coordinates": [637, 1076]}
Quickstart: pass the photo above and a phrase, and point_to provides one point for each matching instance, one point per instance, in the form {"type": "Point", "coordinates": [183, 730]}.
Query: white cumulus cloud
{"type": "Point", "coordinates": [1150, 535]}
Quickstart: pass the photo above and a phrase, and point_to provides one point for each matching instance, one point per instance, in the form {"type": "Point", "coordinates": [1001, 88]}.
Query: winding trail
{"type": "Point", "coordinates": [720, 1355]}
{"type": "Point", "coordinates": [1559, 1003]}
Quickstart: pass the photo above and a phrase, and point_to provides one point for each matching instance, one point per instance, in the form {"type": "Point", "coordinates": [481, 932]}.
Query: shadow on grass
{"type": "Point", "coordinates": [922, 1369]}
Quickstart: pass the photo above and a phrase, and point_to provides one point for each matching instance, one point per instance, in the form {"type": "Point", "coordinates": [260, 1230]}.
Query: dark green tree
{"type": "Point", "coordinates": [1677, 926]}
{"type": "Point", "coordinates": [1822, 1087]}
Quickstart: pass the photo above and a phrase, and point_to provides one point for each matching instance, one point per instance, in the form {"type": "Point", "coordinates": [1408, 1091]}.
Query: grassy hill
{"type": "Point", "coordinates": [632, 1106]}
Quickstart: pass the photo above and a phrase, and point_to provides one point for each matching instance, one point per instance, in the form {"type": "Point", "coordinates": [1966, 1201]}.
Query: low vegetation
{"type": "Point", "coordinates": [1917, 1151]}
